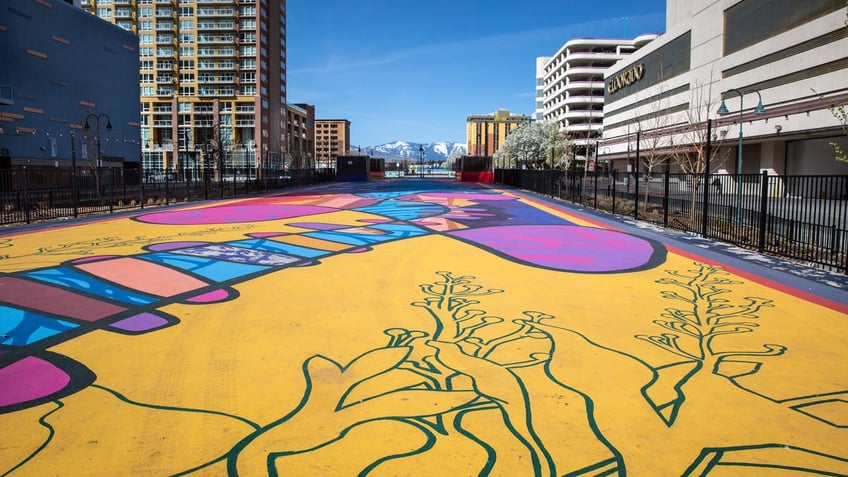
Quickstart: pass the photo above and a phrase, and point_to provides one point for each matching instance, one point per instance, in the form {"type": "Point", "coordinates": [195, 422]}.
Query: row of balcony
{"type": "Point", "coordinates": [167, 123]}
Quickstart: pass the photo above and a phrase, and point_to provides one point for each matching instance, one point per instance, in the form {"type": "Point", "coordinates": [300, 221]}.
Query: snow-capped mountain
{"type": "Point", "coordinates": [433, 152]}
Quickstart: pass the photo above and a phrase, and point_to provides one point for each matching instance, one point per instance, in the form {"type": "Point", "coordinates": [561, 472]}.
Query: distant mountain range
{"type": "Point", "coordinates": [433, 152]}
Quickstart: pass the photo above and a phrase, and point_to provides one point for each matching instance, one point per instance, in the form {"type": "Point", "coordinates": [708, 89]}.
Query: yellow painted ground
{"type": "Point", "coordinates": [390, 362]}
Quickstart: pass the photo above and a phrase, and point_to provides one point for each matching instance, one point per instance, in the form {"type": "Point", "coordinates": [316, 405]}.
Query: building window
{"type": "Point", "coordinates": [186, 25]}
{"type": "Point", "coordinates": [145, 12]}
{"type": "Point", "coordinates": [186, 11]}
{"type": "Point", "coordinates": [186, 51]}
{"type": "Point", "coordinates": [186, 64]}
{"type": "Point", "coordinates": [145, 38]}
{"type": "Point", "coordinates": [247, 50]}
{"type": "Point", "coordinates": [147, 90]}
{"type": "Point", "coordinates": [145, 25]}
{"type": "Point", "coordinates": [145, 51]}
{"type": "Point", "coordinates": [146, 78]}
{"type": "Point", "coordinates": [186, 90]}
{"type": "Point", "coordinates": [247, 63]}
{"type": "Point", "coordinates": [186, 38]}
{"type": "Point", "coordinates": [248, 90]}
{"type": "Point", "coordinates": [146, 65]}
{"type": "Point", "coordinates": [247, 24]}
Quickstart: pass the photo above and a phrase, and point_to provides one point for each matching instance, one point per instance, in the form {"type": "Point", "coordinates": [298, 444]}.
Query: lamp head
{"type": "Point", "coordinates": [722, 110]}
{"type": "Point", "coordinates": [108, 124]}
{"type": "Point", "coordinates": [87, 126]}
{"type": "Point", "coordinates": [760, 109]}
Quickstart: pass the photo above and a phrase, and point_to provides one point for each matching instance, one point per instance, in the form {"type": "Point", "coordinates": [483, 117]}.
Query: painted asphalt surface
{"type": "Point", "coordinates": [410, 327]}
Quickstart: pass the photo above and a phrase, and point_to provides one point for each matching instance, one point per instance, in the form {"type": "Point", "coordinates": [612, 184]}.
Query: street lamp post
{"type": "Point", "coordinates": [722, 110]}
{"type": "Point", "coordinates": [97, 118]}
{"type": "Point", "coordinates": [421, 164]}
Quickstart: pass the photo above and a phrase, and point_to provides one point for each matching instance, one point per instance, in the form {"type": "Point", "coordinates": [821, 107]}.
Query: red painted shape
{"type": "Point", "coordinates": [53, 300]}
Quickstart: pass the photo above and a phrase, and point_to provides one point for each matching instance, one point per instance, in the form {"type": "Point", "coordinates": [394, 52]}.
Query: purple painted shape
{"type": "Point", "coordinates": [564, 247]}
{"type": "Point", "coordinates": [210, 297]}
{"type": "Point", "coordinates": [318, 226]}
{"type": "Point", "coordinates": [93, 259]}
{"type": "Point", "coordinates": [162, 247]}
{"type": "Point", "coordinates": [231, 214]}
{"type": "Point", "coordinates": [29, 379]}
{"type": "Point", "coordinates": [267, 234]}
{"type": "Point", "coordinates": [375, 221]}
{"type": "Point", "coordinates": [141, 322]}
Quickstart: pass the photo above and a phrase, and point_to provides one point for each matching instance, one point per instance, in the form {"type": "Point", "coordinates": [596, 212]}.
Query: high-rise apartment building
{"type": "Point", "coordinates": [484, 133]}
{"type": "Point", "coordinates": [332, 139]}
{"type": "Point", "coordinates": [300, 125]}
{"type": "Point", "coordinates": [573, 85]}
{"type": "Point", "coordinates": [212, 75]}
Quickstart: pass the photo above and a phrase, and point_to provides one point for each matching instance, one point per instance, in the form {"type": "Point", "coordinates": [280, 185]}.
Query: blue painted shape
{"type": "Point", "coordinates": [76, 280]}
{"type": "Point", "coordinates": [401, 230]}
{"type": "Point", "coordinates": [215, 270]}
{"type": "Point", "coordinates": [403, 210]}
{"type": "Point", "coordinates": [21, 328]}
{"type": "Point", "coordinates": [272, 246]}
{"type": "Point", "coordinates": [351, 237]}
{"type": "Point", "coordinates": [238, 255]}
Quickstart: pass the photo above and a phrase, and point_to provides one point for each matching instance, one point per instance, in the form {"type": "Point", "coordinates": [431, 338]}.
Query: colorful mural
{"type": "Point", "coordinates": [342, 331]}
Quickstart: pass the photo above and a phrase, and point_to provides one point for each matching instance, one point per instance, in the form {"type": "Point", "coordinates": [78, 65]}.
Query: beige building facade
{"type": "Point", "coordinates": [332, 139]}
{"type": "Point", "coordinates": [790, 57]}
{"type": "Point", "coordinates": [484, 133]}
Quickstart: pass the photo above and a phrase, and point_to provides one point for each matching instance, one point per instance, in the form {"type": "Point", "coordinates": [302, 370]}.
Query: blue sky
{"type": "Point", "coordinates": [413, 70]}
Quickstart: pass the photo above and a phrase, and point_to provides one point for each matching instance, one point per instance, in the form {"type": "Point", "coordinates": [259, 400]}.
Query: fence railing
{"type": "Point", "coordinates": [799, 217]}
{"type": "Point", "coordinates": [32, 195]}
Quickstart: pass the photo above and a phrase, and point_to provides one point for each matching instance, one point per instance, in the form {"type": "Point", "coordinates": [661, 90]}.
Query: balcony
{"type": "Point", "coordinates": [245, 123]}
{"type": "Point", "coordinates": [165, 92]}
{"type": "Point", "coordinates": [162, 123]}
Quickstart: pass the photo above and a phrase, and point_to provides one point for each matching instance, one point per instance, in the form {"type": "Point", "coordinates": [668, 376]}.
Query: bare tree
{"type": "Point", "coordinates": [689, 152]}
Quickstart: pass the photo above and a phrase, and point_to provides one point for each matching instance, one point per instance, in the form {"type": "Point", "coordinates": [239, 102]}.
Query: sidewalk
{"type": "Point", "coordinates": [411, 327]}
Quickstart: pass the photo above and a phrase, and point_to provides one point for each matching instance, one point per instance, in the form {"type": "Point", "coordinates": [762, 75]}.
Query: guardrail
{"type": "Point", "coordinates": [32, 194]}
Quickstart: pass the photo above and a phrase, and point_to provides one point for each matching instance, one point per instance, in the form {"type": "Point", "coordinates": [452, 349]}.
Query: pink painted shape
{"type": "Point", "coordinates": [210, 297]}
{"type": "Point", "coordinates": [144, 276]}
{"type": "Point", "coordinates": [29, 379]}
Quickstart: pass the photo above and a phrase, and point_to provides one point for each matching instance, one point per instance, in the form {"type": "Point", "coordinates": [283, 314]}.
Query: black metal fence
{"type": "Point", "coordinates": [33, 194]}
{"type": "Point", "coordinates": [798, 217]}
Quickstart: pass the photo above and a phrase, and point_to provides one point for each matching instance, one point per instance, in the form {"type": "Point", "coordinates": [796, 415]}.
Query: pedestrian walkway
{"type": "Point", "coordinates": [410, 327]}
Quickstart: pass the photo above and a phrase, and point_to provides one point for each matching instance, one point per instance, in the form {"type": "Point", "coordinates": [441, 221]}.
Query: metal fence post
{"type": "Point", "coordinates": [761, 245]}
{"type": "Point", "coordinates": [666, 187]}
